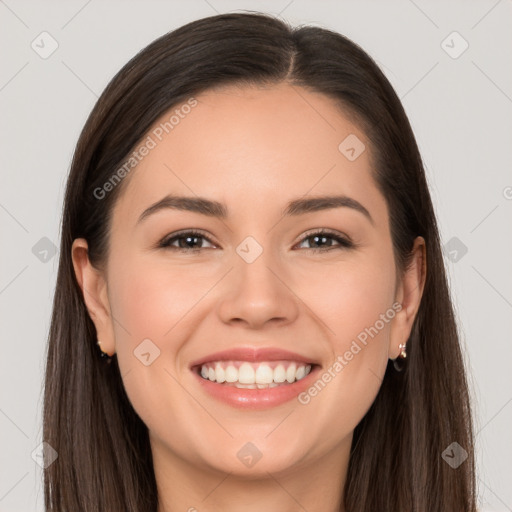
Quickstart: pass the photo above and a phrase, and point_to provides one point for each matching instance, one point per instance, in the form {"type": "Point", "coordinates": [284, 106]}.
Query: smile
{"type": "Point", "coordinates": [250, 375]}
{"type": "Point", "coordinates": [254, 378]}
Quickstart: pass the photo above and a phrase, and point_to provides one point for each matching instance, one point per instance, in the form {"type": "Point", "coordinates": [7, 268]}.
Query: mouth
{"type": "Point", "coordinates": [254, 378]}
{"type": "Point", "coordinates": [247, 375]}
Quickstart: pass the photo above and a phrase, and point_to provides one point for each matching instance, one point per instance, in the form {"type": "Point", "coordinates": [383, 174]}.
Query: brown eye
{"type": "Point", "coordinates": [324, 239]}
{"type": "Point", "coordinates": [187, 241]}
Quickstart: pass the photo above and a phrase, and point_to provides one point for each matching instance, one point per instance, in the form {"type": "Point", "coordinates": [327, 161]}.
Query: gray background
{"type": "Point", "coordinates": [460, 109]}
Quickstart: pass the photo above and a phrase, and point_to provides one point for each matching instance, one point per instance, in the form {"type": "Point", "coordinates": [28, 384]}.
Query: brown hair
{"type": "Point", "coordinates": [395, 465]}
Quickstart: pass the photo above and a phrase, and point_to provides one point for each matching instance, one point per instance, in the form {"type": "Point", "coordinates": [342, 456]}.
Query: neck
{"type": "Point", "coordinates": [315, 486]}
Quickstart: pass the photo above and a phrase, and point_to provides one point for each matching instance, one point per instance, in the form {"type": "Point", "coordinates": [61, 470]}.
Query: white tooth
{"type": "Point", "coordinates": [211, 373]}
{"type": "Point", "coordinates": [220, 374]}
{"type": "Point", "coordinates": [264, 374]}
{"type": "Point", "coordinates": [308, 369]}
{"type": "Point", "coordinates": [290, 373]}
{"type": "Point", "coordinates": [279, 373]}
{"type": "Point", "coordinates": [231, 374]}
{"type": "Point", "coordinates": [246, 374]}
{"type": "Point", "coordinates": [245, 386]}
{"type": "Point", "coordinates": [262, 386]}
{"type": "Point", "coordinates": [273, 385]}
{"type": "Point", "coordinates": [204, 372]}
{"type": "Point", "coordinates": [300, 373]}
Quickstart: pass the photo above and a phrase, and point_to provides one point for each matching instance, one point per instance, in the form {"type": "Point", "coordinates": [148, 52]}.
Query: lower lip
{"type": "Point", "coordinates": [257, 398]}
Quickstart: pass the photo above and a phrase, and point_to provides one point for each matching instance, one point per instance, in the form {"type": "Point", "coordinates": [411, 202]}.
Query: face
{"type": "Point", "coordinates": [292, 311]}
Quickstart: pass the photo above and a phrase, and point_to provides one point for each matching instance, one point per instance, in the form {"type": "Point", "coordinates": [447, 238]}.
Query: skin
{"type": "Point", "coordinates": [254, 149]}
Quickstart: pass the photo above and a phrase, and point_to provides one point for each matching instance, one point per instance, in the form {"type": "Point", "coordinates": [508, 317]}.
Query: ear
{"type": "Point", "coordinates": [409, 293]}
{"type": "Point", "coordinates": [94, 290]}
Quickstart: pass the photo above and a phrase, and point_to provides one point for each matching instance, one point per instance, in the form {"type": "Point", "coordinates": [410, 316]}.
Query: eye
{"type": "Point", "coordinates": [323, 237]}
{"type": "Point", "coordinates": [186, 241]}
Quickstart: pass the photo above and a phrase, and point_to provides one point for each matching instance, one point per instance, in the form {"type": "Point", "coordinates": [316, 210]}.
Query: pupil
{"type": "Point", "coordinates": [321, 238]}
{"type": "Point", "coordinates": [187, 240]}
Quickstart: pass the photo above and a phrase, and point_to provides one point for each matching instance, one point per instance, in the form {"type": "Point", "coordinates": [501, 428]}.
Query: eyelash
{"type": "Point", "coordinates": [344, 243]}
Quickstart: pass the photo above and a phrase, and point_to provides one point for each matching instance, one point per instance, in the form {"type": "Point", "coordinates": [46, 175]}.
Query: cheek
{"type": "Point", "coordinates": [349, 298]}
{"type": "Point", "coordinates": [354, 302]}
{"type": "Point", "coordinates": [150, 298]}
{"type": "Point", "coordinates": [151, 301]}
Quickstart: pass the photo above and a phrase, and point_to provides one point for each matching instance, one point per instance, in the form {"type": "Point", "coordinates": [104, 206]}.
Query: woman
{"type": "Point", "coordinates": [251, 309]}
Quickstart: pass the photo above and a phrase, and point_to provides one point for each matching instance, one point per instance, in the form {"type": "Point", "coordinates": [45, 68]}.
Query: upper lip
{"type": "Point", "coordinates": [253, 355]}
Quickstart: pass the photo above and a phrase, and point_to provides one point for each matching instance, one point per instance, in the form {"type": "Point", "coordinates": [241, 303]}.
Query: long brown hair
{"type": "Point", "coordinates": [104, 458]}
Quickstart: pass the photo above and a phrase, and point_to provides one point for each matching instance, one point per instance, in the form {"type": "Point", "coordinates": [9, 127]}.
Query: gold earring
{"type": "Point", "coordinates": [399, 366]}
{"type": "Point", "coordinates": [103, 355]}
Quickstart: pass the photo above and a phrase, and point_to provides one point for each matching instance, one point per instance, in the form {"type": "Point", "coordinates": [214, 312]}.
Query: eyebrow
{"type": "Point", "coordinates": [212, 208]}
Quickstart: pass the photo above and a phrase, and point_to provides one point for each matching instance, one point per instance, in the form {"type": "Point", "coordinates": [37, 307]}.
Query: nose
{"type": "Point", "coordinates": [258, 293]}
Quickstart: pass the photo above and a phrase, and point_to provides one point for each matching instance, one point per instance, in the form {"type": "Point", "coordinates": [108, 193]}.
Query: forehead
{"type": "Point", "coordinates": [253, 146]}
